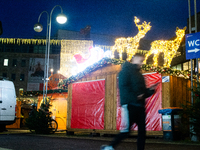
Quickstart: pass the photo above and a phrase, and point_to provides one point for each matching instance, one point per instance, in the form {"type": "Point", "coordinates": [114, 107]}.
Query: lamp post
{"type": "Point", "coordinates": [61, 18]}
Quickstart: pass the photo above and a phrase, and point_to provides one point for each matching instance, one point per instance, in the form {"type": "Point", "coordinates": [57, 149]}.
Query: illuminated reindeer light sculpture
{"type": "Point", "coordinates": [131, 44]}
{"type": "Point", "coordinates": [169, 48]}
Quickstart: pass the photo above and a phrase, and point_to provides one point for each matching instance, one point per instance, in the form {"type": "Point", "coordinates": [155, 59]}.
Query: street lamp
{"type": "Point", "coordinates": [61, 18]}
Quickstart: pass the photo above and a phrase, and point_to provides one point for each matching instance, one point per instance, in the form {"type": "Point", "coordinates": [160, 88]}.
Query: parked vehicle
{"type": "Point", "coordinates": [7, 103]}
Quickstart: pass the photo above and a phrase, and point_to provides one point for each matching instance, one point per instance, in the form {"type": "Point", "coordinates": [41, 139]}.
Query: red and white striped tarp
{"type": "Point", "coordinates": [153, 104]}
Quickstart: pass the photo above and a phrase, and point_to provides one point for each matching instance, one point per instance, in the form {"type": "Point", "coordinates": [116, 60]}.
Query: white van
{"type": "Point", "coordinates": [7, 102]}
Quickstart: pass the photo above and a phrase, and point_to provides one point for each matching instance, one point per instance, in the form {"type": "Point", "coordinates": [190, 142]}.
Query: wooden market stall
{"type": "Point", "coordinates": [173, 93]}
{"type": "Point", "coordinates": [58, 100]}
{"type": "Point", "coordinates": [108, 73]}
{"type": "Point", "coordinates": [58, 108]}
{"type": "Point", "coordinates": [176, 92]}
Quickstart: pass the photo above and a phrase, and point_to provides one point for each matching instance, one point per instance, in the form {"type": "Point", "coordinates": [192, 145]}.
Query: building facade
{"type": "Point", "coordinates": [23, 63]}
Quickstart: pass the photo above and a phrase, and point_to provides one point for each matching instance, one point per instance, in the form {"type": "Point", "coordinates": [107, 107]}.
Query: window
{"type": "Point", "coordinates": [18, 50]}
{"type": "Point", "coordinates": [21, 77]}
{"type": "Point", "coordinates": [39, 49]}
{"type": "Point", "coordinates": [4, 75]}
{"type": "Point", "coordinates": [186, 66]}
{"type": "Point", "coordinates": [24, 49]}
{"type": "Point", "coordinates": [23, 63]}
{"type": "Point", "coordinates": [174, 67]}
{"type": "Point", "coordinates": [14, 64]}
{"type": "Point", "coordinates": [5, 62]}
{"type": "Point", "coordinates": [13, 76]}
{"type": "Point", "coordinates": [179, 67]}
{"type": "Point", "coordinates": [7, 49]}
{"type": "Point", "coordinates": [31, 49]}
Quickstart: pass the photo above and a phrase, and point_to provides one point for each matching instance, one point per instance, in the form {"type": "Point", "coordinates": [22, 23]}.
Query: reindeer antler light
{"type": "Point", "coordinates": [131, 44]}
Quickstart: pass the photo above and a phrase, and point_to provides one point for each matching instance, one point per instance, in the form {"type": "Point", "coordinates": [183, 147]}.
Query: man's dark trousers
{"type": "Point", "coordinates": [134, 114]}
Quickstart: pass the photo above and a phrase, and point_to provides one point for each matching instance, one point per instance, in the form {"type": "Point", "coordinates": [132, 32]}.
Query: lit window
{"type": "Point", "coordinates": [174, 67]}
{"type": "Point", "coordinates": [179, 67]}
{"type": "Point", "coordinates": [185, 66]}
{"type": "Point", "coordinates": [5, 62]}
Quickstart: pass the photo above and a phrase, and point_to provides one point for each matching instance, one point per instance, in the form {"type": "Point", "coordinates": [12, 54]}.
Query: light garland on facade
{"type": "Point", "coordinates": [130, 44]}
{"type": "Point", "coordinates": [168, 48]}
{"type": "Point", "coordinates": [68, 49]}
{"type": "Point", "coordinates": [20, 41]}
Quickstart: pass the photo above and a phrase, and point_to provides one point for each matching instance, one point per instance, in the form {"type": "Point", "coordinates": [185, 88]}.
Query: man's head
{"type": "Point", "coordinates": [138, 59]}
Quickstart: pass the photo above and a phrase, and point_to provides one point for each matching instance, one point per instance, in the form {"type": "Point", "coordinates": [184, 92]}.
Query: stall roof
{"type": "Point", "coordinates": [102, 63]}
{"type": "Point", "coordinates": [108, 61]}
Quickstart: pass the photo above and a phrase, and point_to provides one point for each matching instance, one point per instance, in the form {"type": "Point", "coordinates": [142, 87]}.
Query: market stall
{"type": "Point", "coordinates": [93, 102]}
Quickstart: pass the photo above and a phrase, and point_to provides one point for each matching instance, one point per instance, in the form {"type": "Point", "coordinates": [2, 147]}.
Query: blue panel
{"type": "Point", "coordinates": [192, 42]}
{"type": "Point", "coordinates": [165, 79]}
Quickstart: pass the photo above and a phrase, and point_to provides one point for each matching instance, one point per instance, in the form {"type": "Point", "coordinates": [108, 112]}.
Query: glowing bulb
{"type": "Point", "coordinates": [61, 18]}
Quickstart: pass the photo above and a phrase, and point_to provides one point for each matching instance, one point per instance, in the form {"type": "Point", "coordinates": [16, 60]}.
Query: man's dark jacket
{"type": "Point", "coordinates": [132, 84]}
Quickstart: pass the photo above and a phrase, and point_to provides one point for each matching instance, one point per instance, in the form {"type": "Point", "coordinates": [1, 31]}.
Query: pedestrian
{"type": "Point", "coordinates": [133, 92]}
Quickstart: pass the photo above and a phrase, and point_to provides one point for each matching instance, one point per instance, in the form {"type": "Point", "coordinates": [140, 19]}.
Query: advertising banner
{"type": "Point", "coordinates": [36, 69]}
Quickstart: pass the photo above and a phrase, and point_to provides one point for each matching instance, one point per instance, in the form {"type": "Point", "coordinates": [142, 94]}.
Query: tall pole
{"type": "Point", "coordinates": [47, 72]}
{"type": "Point", "coordinates": [46, 58]}
{"type": "Point", "coordinates": [61, 18]}
{"type": "Point", "coordinates": [190, 59]}
{"type": "Point", "coordinates": [45, 63]}
{"type": "Point", "coordinates": [193, 137]}
{"type": "Point", "coordinates": [195, 20]}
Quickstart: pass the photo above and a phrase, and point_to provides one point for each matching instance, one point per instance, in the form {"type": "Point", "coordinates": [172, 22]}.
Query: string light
{"type": "Point", "coordinates": [130, 44]}
{"type": "Point", "coordinates": [68, 49]}
{"type": "Point", "coordinates": [168, 47]}
{"type": "Point", "coordinates": [28, 41]}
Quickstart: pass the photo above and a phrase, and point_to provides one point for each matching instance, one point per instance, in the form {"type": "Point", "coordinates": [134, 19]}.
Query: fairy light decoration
{"type": "Point", "coordinates": [167, 47]}
{"type": "Point", "coordinates": [130, 44]}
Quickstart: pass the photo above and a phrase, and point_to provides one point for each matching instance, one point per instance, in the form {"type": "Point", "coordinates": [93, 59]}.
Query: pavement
{"type": "Point", "coordinates": [79, 135]}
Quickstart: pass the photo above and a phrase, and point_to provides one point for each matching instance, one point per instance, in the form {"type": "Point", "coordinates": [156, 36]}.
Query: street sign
{"type": "Point", "coordinates": [192, 42]}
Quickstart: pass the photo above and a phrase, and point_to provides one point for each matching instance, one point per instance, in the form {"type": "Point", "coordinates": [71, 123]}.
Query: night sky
{"type": "Point", "coordinates": [111, 17]}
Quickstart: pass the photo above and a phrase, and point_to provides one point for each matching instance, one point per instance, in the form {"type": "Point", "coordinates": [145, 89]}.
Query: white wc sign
{"type": "Point", "coordinates": [192, 42]}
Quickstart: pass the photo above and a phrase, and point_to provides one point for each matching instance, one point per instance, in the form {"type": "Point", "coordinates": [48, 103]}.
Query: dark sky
{"type": "Point", "coordinates": [113, 17]}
